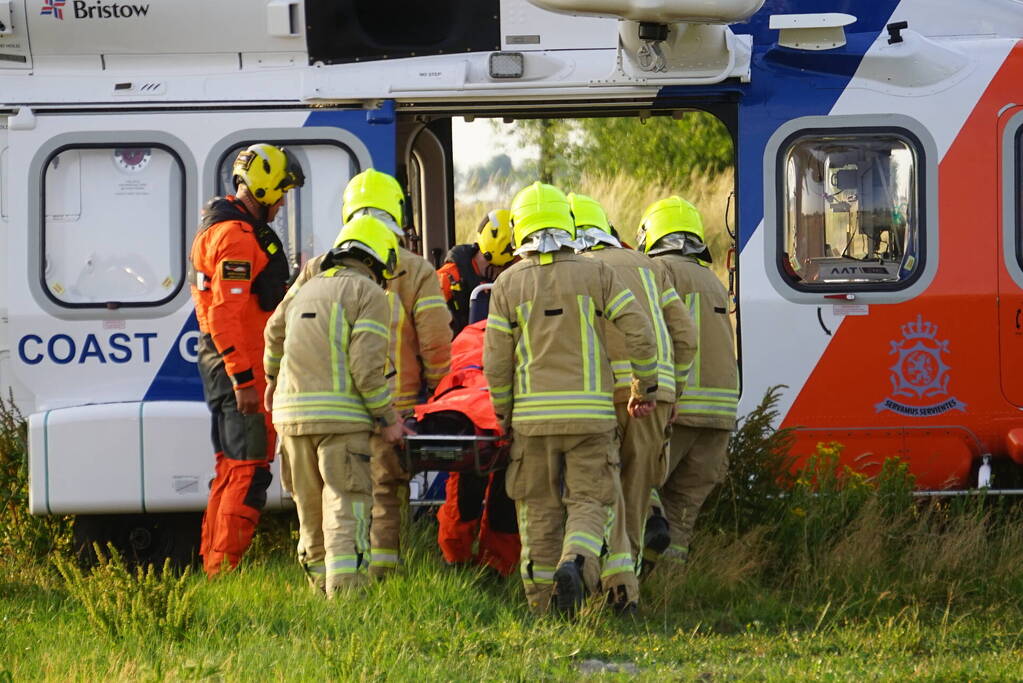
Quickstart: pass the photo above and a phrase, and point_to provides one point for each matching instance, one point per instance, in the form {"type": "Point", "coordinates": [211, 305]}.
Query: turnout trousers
{"type": "Point", "coordinates": [697, 462]}
{"type": "Point", "coordinates": [478, 507]}
{"type": "Point", "coordinates": [390, 499]}
{"type": "Point", "coordinates": [243, 445]}
{"type": "Point", "coordinates": [564, 488]}
{"type": "Point", "coordinates": [330, 478]}
{"type": "Point", "coordinates": [642, 447]}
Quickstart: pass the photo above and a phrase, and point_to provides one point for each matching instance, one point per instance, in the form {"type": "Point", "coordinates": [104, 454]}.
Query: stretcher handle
{"type": "Point", "coordinates": [479, 289]}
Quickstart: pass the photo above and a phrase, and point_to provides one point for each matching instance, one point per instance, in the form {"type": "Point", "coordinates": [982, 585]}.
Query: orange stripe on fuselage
{"type": "Point", "coordinates": [854, 375]}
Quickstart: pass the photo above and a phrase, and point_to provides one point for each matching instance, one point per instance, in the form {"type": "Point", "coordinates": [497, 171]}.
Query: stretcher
{"type": "Point", "coordinates": [456, 430]}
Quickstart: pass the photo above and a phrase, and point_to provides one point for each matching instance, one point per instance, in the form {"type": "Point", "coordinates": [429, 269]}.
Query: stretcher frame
{"type": "Point", "coordinates": [440, 449]}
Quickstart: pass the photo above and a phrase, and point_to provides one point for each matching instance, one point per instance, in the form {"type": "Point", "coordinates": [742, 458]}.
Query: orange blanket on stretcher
{"type": "Point", "coordinates": [464, 389]}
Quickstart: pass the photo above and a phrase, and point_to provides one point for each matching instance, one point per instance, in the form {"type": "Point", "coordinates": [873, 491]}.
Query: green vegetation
{"type": "Point", "coordinates": [818, 575]}
{"type": "Point", "coordinates": [624, 162]}
{"type": "Point", "coordinates": [662, 150]}
{"type": "Point", "coordinates": [21, 533]}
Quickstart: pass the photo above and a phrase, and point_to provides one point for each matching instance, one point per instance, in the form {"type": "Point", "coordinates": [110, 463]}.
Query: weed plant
{"type": "Point", "coordinates": [146, 602]}
{"type": "Point", "coordinates": [23, 535]}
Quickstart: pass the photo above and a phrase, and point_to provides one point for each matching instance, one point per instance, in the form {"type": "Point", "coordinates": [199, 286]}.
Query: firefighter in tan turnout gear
{"type": "Point", "coordinates": [671, 231]}
{"type": "Point", "coordinates": [642, 441]}
{"type": "Point", "coordinates": [326, 350]}
{"type": "Point", "coordinates": [420, 350]}
{"type": "Point", "coordinates": [552, 386]}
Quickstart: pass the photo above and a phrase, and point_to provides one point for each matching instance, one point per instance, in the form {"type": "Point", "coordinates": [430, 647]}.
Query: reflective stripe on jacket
{"type": "Point", "coordinates": [544, 352]}
{"type": "Point", "coordinates": [420, 325]}
{"type": "Point", "coordinates": [674, 330]}
{"type": "Point", "coordinates": [420, 329]}
{"type": "Point", "coordinates": [712, 389]}
{"type": "Point", "coordinates": [327, 346]}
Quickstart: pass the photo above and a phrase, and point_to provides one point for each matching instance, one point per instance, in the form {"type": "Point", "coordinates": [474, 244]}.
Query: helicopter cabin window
{"type": "Point", "coordinates": [311, 216]}
{"type": "Point", "coordinates": [851, 212]}
{"type": "Point", "coordinates": [113, 228]}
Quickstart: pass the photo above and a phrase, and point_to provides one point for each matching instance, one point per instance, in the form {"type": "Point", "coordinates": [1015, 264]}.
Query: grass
{"type": "Point", "coordinates": [713, 620]}
{"type": "Point", "coordinates": [818, 575]}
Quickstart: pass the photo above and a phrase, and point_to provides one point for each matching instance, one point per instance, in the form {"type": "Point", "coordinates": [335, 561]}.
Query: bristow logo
{"type": "Point", "coordinates": [97, 10]}
{"type": "Point", "coordinates": [54, 8]}
{"type": "Point", "coordinates": [920, 373]}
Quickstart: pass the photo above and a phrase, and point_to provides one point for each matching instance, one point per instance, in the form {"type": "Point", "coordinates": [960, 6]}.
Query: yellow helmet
{"type": "Point", "coordinates": [537, 207]}
{"type": "Point", "coordinates": [587, 211]}
{"type": "Point", "coordinates": [371, 236]}
{"type": "Point", "coordinates": [267, 171]}
{"type": "Point", "coordinates": [494, 236]}
{"type": "Point", "coordinates": [667, 216]}
{"type": "Point", "coordinates": [375, 190]}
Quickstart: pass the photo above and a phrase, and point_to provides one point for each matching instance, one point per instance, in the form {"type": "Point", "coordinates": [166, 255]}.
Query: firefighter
{"type": "Point", "coordinates": [671, 231]}
{"type": "Point", "coordinates": [641, 441]}
{"type": "Point", "coordinates": [470, 265]}
{"type": "Point", "coordinates": [240, 275]}
{"type": "Point", "coordinates": [326, 352]}
{"type": "Point", "coordinates": [476, 510]}
{"type": "Point", "coordinates": [551, 382]}
{"type": "Point", "coordinates": [420, 350]}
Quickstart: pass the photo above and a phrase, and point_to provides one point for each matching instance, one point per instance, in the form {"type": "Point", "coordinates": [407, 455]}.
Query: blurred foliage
{"type": "Point", "coordinates": [658, 150]}
{"type": "Point", "coordinates": [23, 535]}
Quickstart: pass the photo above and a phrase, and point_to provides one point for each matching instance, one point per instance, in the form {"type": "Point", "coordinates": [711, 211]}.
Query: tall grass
{"type": "Point", "coordinates": [820, 574]}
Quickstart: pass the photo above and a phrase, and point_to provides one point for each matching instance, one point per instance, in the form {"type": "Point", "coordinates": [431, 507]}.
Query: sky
{"type": "Point", "coordinates": [475, 143]}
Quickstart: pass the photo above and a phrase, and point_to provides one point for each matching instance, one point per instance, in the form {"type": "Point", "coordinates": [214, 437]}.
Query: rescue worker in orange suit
{"type": "Point", "coordinates": [641, 441]}
{"type": "Point", "coordinates": [470, 265]}
{"type": "Point", "coordinates": [477, 508]}
{"type": "Point", "coordinates": [552, 388]}
{"type": "Point", "coordinates": [240, 275]}
{"type": "Point", "coordinates": [420, 351]}
{"type": "Point", "coordinates": [326, 353]}
{"type": "Point", "coordinates": [671, 231]}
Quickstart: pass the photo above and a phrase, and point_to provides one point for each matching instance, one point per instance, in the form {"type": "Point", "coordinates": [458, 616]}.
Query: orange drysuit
{"type": "Point", "coordinates": [240, 275]}
{"type": "Point", "coordinates": [473, 505]}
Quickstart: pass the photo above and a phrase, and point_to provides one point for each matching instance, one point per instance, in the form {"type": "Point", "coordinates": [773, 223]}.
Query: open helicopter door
{"type": "Point", "coordinates": [102, 329]}
{"type": "Point", "coordinates": [427, 167]}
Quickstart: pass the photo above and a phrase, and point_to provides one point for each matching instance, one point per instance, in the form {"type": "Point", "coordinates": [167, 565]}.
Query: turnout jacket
{"type": "Point", "coordinates": [544, 351]}
{"type": "Point", "coordinates": [673, 328]}
{"type": "Point", "coordinates": [326, 345]}
{"type": "Point", "coordinates": [419, 322]}
{"type": "Point", "coordinates": [712, 389]}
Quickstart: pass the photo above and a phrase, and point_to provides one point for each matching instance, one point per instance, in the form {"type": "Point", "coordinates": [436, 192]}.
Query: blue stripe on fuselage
{"type": "Point", "coordinates": [787, 84]}
{"type": "Point", "coordinates": [178, 377]}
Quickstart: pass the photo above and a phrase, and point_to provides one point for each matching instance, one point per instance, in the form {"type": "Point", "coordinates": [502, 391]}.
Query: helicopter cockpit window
{"type": "Point", "coordinates": [851, 212]}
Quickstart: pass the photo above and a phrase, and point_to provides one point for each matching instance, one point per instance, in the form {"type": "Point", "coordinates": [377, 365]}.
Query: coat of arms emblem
{"type": "Point", "coordinates": [920, 374]}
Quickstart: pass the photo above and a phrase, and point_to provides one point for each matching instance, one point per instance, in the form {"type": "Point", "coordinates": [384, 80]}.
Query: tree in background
{"type": "Point", "coordinates": [659, 149]}
{"type": "Point", "coordinates": [625, 162]}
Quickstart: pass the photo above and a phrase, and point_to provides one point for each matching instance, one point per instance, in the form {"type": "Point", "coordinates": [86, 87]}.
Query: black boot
{"type": "Point", "coordinates": [569, 590]}
{"type": "Point", "coordinates": [656, 535]}
{"type": "Point", "coordinates": [656, 539]}
{"type": "Point", "coordinates": [618, 600]}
